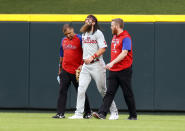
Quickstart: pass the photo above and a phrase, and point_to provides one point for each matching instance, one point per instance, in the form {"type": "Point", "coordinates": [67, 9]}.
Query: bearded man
{"type": "Point", "coordinates": [94, 45]}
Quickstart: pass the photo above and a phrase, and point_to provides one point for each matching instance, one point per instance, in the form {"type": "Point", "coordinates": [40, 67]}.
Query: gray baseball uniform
{"type": "Point", "coordinates": [91, 44]}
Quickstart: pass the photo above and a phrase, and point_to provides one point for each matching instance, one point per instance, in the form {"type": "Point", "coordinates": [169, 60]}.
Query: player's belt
{"type": "Point", "coordinates": [95, 60]}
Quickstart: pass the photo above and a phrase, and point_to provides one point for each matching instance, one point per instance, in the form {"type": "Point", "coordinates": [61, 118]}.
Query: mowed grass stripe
{"type": "Point", "coordinates": [33, 121]}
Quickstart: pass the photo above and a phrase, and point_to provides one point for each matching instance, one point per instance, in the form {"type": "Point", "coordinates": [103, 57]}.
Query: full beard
{"type": "Point", "coordinates": [114, 31]}
{"type": "Point", "coordinates": [86, 28]}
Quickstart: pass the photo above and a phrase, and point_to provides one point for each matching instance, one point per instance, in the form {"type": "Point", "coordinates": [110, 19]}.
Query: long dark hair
{"type": "Point", "coordinates": [96, 26]}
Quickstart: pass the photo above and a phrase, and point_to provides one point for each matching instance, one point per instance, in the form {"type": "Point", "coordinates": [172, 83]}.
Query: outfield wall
{"type": "Point", "coordinates": [29, 54]}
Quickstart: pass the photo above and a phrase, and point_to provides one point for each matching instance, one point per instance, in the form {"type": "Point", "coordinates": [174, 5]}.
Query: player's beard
{"type": "Point", "coordinates": [86, 28]}
{"type": "Point", "coordinates": [114, 31]}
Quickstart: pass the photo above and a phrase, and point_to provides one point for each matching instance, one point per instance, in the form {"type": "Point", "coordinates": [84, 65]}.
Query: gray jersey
{"type": "Point", "coordinates": [91, 43]}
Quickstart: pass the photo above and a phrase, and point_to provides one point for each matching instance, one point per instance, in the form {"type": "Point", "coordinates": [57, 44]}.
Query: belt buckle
{"type": "Point", "coordinates": [95, 60]}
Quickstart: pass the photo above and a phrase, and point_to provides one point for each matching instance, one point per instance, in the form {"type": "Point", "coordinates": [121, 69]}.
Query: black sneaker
{"type": "Point", "coordinates": [87, 115]}
{"type": "Point", "coordinates": [59, 116]}
{"type": "Point", "coordinates": [132, 118]}
{"type": "Point", "coordinates": [98, 116]}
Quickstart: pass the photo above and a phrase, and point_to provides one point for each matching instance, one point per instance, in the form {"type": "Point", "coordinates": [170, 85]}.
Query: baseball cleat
{"type": "Point", "coordinates": [98, 116]}
{"type": "Point", "coordinates": [76, 116]}
{"type": "Point", "coordinates": [59, 116]}
{"type": "Point", "coordinates": [114, 116]}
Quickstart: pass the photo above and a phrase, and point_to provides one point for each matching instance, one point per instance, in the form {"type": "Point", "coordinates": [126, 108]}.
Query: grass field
{"type": "Point", "coordinates": [92, 6]}
{"type": "Point", "coordinates": [42, 121]}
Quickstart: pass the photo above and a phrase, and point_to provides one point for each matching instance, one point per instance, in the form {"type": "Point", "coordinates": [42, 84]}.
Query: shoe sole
{"type": "Point", "coordinates": [114, 118]}
{"type": "Point", "coordinates": [95, 115]}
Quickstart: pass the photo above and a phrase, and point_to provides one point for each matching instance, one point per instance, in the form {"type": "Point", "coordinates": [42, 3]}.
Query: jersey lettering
{"type": "Point", "coordinates": [69, 46]}
{"type": "Point", "coordinates": [88, 40]}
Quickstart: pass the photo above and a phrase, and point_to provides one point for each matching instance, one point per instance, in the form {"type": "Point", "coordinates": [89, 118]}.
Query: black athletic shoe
{"type": "Point", "coordinates": [87, 115]}
{"type": "Point", "coordinates": [98, 116]}
{"type": "Point", "coordinates": [59, 116]}
{"type": "Point", "coordinates": [132, 118]}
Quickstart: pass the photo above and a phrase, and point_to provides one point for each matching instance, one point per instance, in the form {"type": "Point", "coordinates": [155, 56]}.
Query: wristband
{"type": "Point", "coordinates": [94, 56]}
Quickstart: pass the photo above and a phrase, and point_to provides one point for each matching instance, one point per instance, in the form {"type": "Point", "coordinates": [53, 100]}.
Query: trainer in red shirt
{"type": "Point", "coordinates": [121, 42]}
{"type": "Point", "coordinates": [70, 60]}
{"type": "Point", "coordinates": [120, 73]}
{"type": "Point", "coordinates": [71, 52]}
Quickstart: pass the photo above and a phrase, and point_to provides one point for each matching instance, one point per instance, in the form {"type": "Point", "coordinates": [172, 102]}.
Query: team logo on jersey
{"type": "Point", "coordinates": [88, 40]}
{"type": "Point", "coordinates": [115, 42]}
{"type": "Point", "coordinates": [69, 46]}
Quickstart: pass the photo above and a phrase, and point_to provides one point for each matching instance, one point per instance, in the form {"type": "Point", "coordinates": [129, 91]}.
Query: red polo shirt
{"type": "Point", "coordinates": [119, 43]}
{"type": "Point", "coordinates": [71, 51]}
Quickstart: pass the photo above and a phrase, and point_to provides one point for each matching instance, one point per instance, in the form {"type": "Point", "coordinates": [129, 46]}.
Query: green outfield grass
{"type": "Point", "coordinates": [93, 6]}
{"type": "Point", "coordinates": [42, 121]}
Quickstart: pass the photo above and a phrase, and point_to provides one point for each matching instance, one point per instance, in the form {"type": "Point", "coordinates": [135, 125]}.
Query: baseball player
{"type": "Point", "coordinates": [70, 60]}
{"type": "Point", "coordinates": [120, 71]}
{"type": "Point", "coordinates": [94, 45]}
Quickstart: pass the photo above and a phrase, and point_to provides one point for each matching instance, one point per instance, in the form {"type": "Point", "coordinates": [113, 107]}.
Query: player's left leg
{"type": "Point", "coordinates": [108, 98]}
{"type": "Point", "coordinates": [99, 75]}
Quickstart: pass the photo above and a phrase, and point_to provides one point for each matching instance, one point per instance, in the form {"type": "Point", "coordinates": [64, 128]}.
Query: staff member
{"type": "Point", "coordinates": [120, 71]}
{"type": "Point", "coordinates": [70, 60]}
